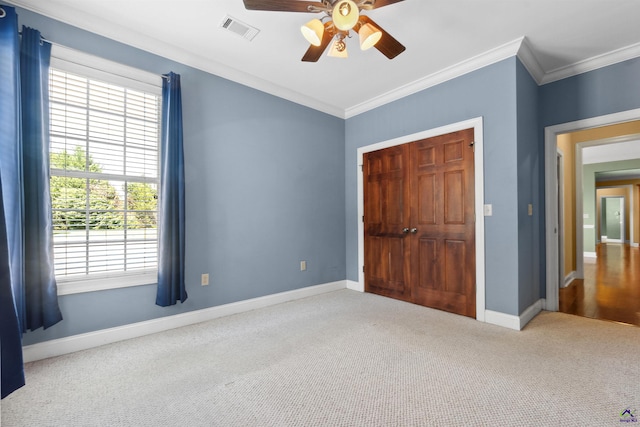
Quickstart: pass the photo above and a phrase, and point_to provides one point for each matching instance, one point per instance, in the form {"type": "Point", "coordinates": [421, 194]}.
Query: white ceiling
{"type": "Point", "coordinates": [611, 152]}
{"type": "Point", "coordinates": [444, 38]}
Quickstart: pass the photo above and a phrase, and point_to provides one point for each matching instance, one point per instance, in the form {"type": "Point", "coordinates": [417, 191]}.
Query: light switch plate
{"type": "Point", "coordinates": [488, 210]}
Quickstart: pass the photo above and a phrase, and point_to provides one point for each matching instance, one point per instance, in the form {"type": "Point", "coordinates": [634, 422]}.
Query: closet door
{"type": "Point", "coordinates": [386, 219]}
{"type": "Point", "coordinates": [420, 222]}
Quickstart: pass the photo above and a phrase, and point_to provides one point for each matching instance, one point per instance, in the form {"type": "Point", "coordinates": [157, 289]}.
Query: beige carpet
{"type": "Point", "coordinates": [343, 359]}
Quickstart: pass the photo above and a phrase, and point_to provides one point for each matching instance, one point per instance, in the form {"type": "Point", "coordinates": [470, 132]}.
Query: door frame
{"type": "Point", "coordinates": [551, 198]}
{"type": "Point", "coordinates": [561, 224]}
{"type": "Point", "coordinates": [477, 125]}
{"type": "Point", "coordinates": [631, 202]}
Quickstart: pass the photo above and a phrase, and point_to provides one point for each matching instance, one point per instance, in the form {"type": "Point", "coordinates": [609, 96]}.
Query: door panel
{"type": "Point", "coordinates": [420, 222]}
{"type": "Point", "coordinates": [454, 258]}
{"type": "Point", "coordinates": [427, 195]}
{"type": "Point", "coordinates": [428, 253]}
{"type": "Point", "coordinates": [454, 197]}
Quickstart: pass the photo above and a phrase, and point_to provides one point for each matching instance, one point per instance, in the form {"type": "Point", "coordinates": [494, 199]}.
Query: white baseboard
{"type": "Point", "coordinates": [531, 312]}
{"type": "Point", "coordinates": [590, 257]}
{"type": "Point", "coordinates": [355, 286]}
{"type": "Point", "coordinates": [79, 342]}
{"type": "Point", "coordinates": [514, 322]}
{"type": "Point", "coordinates": [635, 245]}
{"type": "Point", "coordinates": [569, 278]}
{"type": "Point", "coordinates": [501, 319]}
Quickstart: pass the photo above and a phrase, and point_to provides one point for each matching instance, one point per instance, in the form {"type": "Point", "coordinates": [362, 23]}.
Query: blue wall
{"type": "Point", "coordinates": [604, 91]}
{"type": "Point", "coordinates": [489, 93]}
{"type": "Point", "coordinates": [531, 258]}
{"type": "Point", "coordinates": [264, 190]}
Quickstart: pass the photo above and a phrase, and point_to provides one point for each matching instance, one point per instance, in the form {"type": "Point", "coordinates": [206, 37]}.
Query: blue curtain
{"type": "Point", "coordinates": [28, 292]}
{"type": "Point", "coordinates": [41, 292]}
{"type": "Point", "coordinates": [171, 286]}
{"type": "Point", "coordinates": [11, 337]}
{"type": "Point", "coordinates": [11, 249]}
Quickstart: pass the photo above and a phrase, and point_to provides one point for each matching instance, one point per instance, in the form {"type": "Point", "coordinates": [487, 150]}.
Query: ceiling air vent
{"type": "Point", "coordinates": [239, 28]}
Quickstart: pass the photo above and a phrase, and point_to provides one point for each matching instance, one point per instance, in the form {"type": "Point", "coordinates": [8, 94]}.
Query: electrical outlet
{"type": "Point", "coordinates": [204, 279]}
{"type": "Point", "coordinates": [303, 265]}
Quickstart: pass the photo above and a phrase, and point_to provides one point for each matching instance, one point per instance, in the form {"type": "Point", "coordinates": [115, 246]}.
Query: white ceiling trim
{"type": "Point", "coordinates": [528, 58]}
{"type": "Point", "coordinates": [600, 61]}
{"type": "Point", "coordinates": [520, 47]}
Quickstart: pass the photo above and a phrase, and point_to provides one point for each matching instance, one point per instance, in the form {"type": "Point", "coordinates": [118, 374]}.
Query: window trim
{"type": "Point", "coordinates": [106, 282]}
{"type": "Point", "coordinates": [94, 67]}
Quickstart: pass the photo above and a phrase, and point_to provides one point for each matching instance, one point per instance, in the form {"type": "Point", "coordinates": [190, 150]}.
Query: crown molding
{"type": "Point", "coordinates": [591, 64]}
{"type": "Point", "coordinates": [492, 56]}
{"type": "Point", "coordinates": [528, 58]}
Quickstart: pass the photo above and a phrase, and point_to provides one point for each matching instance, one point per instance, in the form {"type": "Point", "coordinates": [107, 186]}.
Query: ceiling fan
{"type": "Point", "coordinates": [343, 17]}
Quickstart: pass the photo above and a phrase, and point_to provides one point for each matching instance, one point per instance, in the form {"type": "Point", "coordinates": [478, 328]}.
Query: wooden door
{"type": "Point", "coordinates": [420, 222]}
{"type": "Point", "coordinates": [387, 210]}
{"type": "Point", "coordinates": [443, 214]}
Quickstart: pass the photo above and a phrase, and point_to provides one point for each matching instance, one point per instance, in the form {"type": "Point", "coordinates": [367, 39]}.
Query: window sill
{"type": "Point", "coordinates": [69, 287]}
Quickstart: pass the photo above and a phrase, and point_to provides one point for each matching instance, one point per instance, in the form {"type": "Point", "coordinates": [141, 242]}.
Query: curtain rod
{"type": "Point", "coordinates": [3, 13]}
{"type": "Point", "coordinates": [66, 47]}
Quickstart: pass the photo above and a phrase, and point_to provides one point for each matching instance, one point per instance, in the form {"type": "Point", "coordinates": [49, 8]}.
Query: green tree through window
{"type": "Point", "coordinates": [142, 199]}
{"type": "Point", "coordinates": [106, 209]}
{"type": "Point", "coordinates": [69, 195]}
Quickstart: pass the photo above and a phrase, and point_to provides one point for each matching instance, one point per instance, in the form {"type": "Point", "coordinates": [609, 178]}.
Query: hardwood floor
{"type": "Point", "coordinates": [610, 289]}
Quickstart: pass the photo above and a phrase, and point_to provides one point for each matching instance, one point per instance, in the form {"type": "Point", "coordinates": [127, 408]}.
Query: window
{"type": "Point", "coordinates": [104, 179]}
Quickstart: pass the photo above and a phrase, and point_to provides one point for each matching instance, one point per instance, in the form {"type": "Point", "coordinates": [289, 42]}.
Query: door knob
{"type": "Point", "coordinates": [405, 230]}
{"type": "Point", "coordinates": [414, 230]}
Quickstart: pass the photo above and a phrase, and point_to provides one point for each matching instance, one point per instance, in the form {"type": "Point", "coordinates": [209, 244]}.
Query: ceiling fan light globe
{"type": "Point", "coordinates": [369, 36]}
{"type": "Point", "coordinates": [313, 31]}
{"type": "Point", "coordinates": [345, 15]}
{"type": "Point", "coordinates": [338, 49]}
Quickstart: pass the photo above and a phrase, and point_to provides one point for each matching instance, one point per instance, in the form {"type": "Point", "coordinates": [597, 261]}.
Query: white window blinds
{"type": "Point", "coordinates": [104, 177]}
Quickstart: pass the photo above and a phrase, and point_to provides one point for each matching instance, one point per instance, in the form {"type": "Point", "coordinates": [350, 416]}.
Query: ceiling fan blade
{"type": "Point", "coordinates": [282, 5]}
{"type": "Point", "coordinates": [375, 4]}
{"type": "Point", "coordinates": [315, 52]}
{"type": "Point", "coordinates": [389, 46]}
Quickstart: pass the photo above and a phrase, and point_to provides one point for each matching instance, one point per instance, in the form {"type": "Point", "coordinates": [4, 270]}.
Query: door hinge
{"type": "Point", "coordinates": [363, 268]}
{"type": "Point", "coordinates": [362, 218]}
